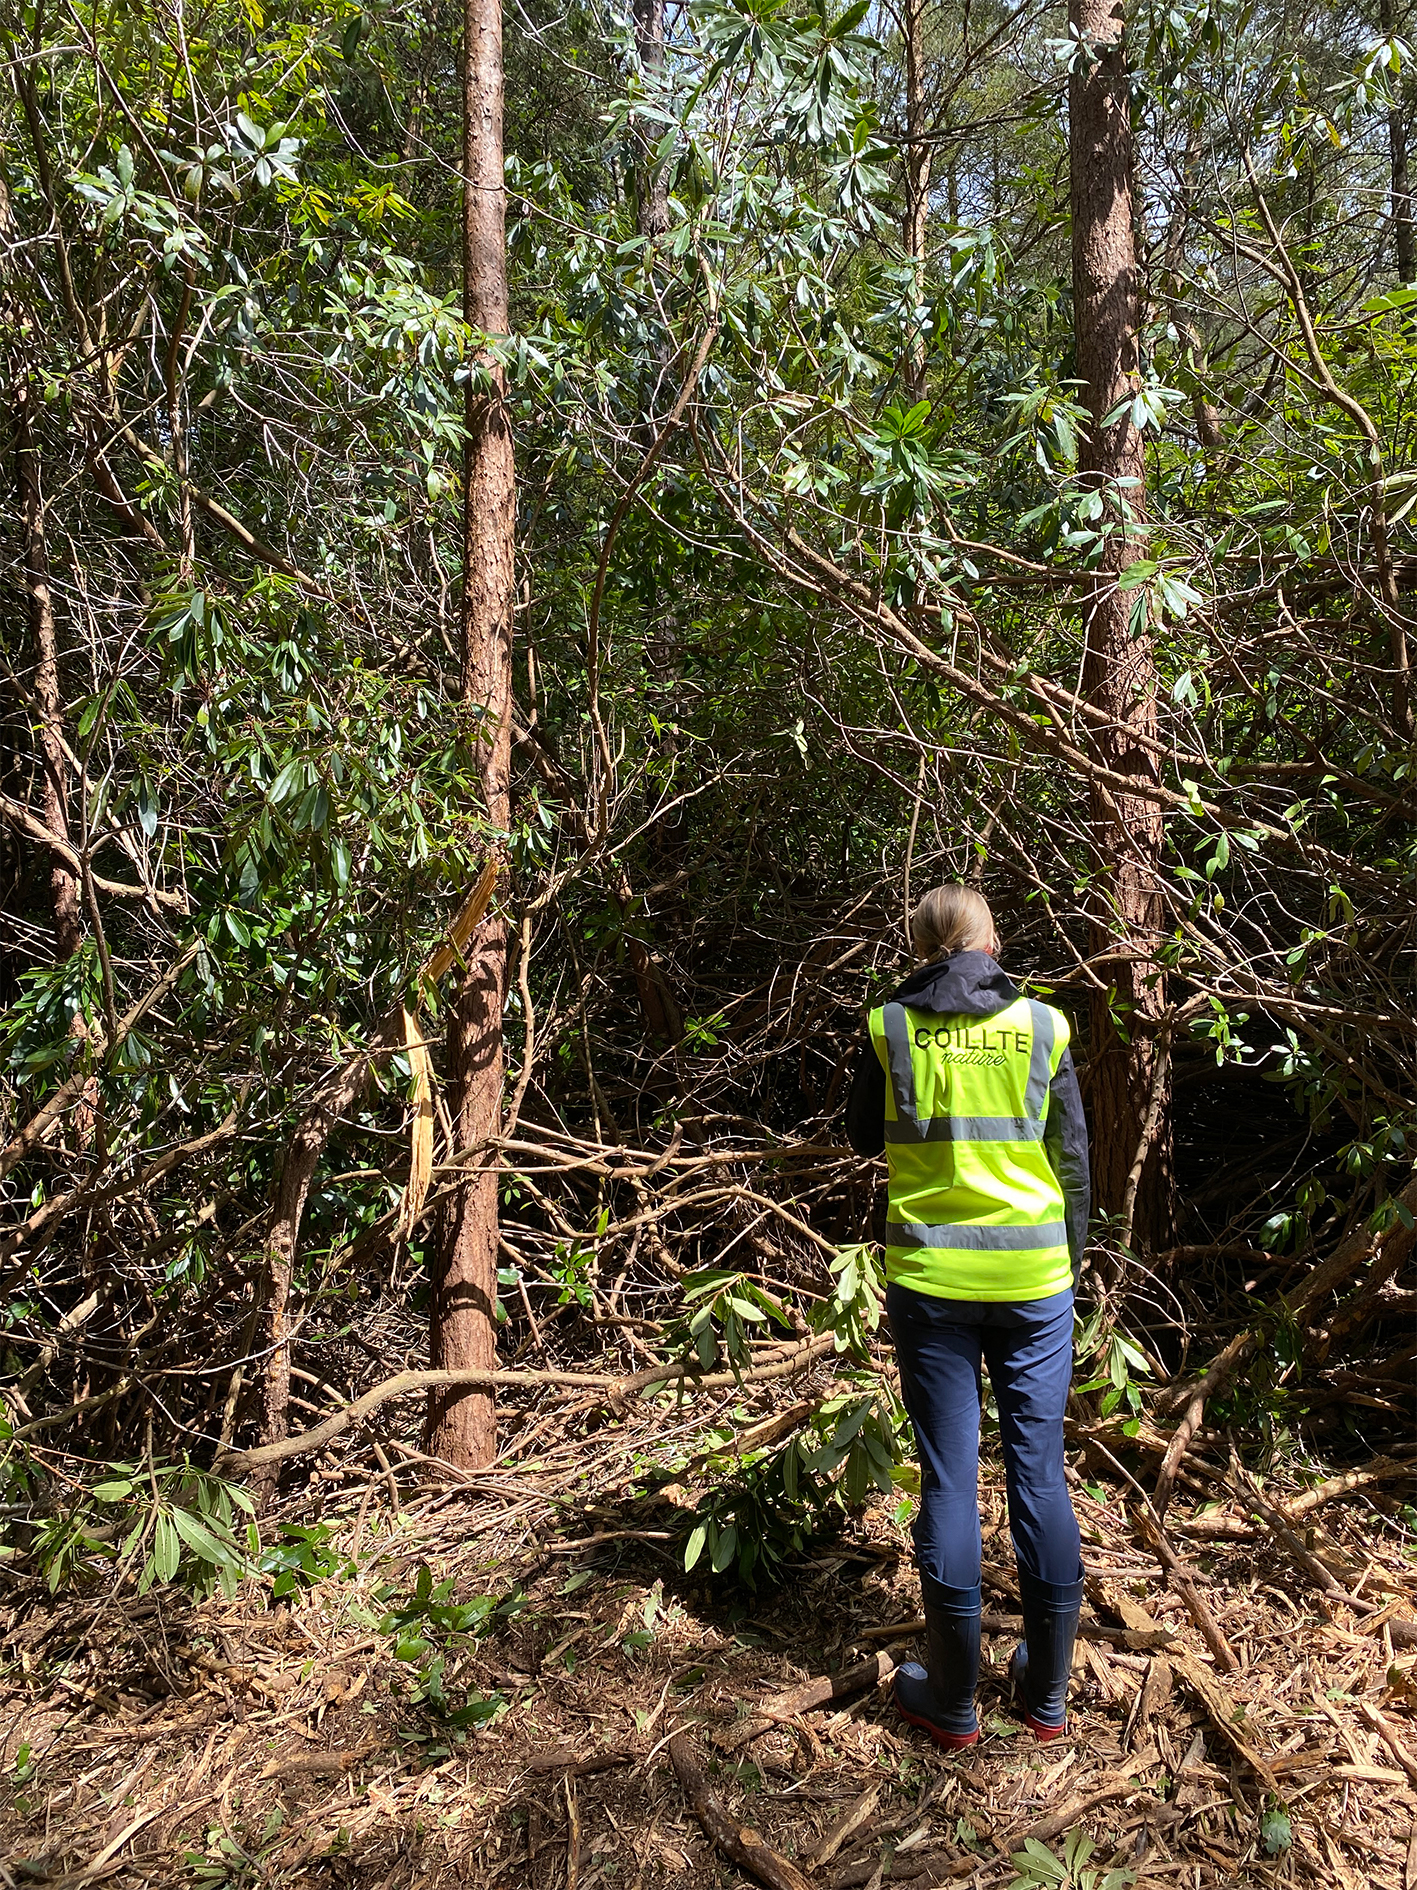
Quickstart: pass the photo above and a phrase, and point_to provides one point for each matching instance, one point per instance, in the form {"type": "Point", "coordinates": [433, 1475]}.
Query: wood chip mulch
{"type": "Point", "coordinates": [156, 1741]}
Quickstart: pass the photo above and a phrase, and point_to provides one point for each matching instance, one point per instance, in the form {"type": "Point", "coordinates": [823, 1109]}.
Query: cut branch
{"type": "Point", "coordinates": [613, 1391]}
{"type": "Point", "coordinates": [736, 1841]}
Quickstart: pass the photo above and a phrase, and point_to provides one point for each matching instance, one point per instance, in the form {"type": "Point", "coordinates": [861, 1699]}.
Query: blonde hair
{"type": "Point", "coordinates": [952, 918]}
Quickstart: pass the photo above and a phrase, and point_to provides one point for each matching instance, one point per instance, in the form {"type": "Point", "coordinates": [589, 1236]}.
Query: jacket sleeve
{"type": "Point", "coordinates": [866, 1105]}
{"type": "Point", "coordinates": [1065, 1138]}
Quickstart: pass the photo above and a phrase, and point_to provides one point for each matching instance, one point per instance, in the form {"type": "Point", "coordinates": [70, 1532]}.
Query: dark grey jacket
{"type": "Point", "coordinates": [970, 984]}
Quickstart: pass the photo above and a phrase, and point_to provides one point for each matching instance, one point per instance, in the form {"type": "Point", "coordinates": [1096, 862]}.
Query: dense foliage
{"type": "Point", "coordinates": [797, 630]}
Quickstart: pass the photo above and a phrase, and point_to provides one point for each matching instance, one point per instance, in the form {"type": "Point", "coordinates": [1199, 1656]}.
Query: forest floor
{"type": "Point", "coordinates": [375, 1730]}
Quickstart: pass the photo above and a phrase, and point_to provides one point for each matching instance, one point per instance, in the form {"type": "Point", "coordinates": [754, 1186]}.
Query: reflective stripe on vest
{"type": "Point", "coordinates": [908, 1126]}
{"type": "Point", "coordinates": [976, 1236]}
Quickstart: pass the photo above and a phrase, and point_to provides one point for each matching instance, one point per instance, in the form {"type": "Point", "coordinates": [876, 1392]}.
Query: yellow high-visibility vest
{"type": "Point", "coordinates": [975, 1209]}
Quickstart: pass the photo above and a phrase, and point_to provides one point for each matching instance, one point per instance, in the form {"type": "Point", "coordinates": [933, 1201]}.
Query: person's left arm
{"type": "Point", "coordinates": [1065, 1138]}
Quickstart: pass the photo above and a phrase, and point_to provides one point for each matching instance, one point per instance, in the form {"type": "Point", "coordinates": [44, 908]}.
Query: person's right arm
{"type": "Point", "coordinates": [866, 1105]}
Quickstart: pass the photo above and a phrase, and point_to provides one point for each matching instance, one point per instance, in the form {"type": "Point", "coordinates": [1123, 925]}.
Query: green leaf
{"type": "Point", "coordinates": [848, 23]}
{"type": "Point", "coordinates": [148, 806]}
{"type": "Point", "coordinates": [1276, 1831]}
{"type": "Point", "coordinates": [200, 1540]}
{"type": "Point", "coordinates": [167, 1549]}
{"type": "Point", "coordinates": [1390, 299]}
{"type": "Point", "coordinates": [724, 1548]}
{"type": "Point", "coordinates": [1037, 1864]}
{"type": "Point", "coordinates": [113, 1489]}
{"type": "Point", "coordinates": [1137, 574]}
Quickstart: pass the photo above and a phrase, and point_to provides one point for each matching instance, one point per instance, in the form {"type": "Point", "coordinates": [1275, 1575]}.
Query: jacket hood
{"type": "Point", "coordinates": [965, 984]}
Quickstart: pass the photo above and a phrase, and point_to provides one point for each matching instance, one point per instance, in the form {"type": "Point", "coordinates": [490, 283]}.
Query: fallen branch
{"type": "Point", "coordinates": [1213, 1697]}
{"type": "Point", "coordinates": [1389, 1738]}
{"type": "Point", "coordinates": [1151, 1526]}
{"type": "Point", "coordinates": [826, 1847]}
{"type": "Point", "coordinates": [614, 1390]}
{"type": "Point", "coordinates": [806, 1698]}
{"type": "Point", "coordinates": [1196, 1605]}
{"type": "Point", "coordinates": [1215, 1381]}
{"type": "Point", "coordinates": [608, 1535]}
{"type": "Point", "coordinates": [317, 1764]}
{"type": "Point", "coordinates": [1229, 1527]}
{"type": "Point", "coordinates": [576, 1763]}
{"type": "Point", "coordinates": [1045, 1829]}
{"type": "Point", "coordinates": [1323, 1578]}
{"type": "Point", "coordinates": [1380, 1470]}
{"type": "Point", "coordinates": [737, 1841]}
{"type": "Point", "coordinates": [1135, 1640]}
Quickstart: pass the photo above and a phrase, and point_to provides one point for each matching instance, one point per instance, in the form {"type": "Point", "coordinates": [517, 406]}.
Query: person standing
{"type": "Point", "coordinates": [969, 1088]}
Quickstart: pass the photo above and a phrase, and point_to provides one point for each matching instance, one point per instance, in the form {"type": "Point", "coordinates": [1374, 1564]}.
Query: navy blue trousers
{"type": "Point", "coordinates": [1028, 1347]}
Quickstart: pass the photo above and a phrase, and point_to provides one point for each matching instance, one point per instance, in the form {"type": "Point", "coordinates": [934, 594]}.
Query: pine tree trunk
{"type": "Point", "coordinates": [651, 184]}
{"type": "Point", "coordinates": [1128, 1081]}
{"type": "Point", "coordinates": [462, 1426]}
{"type": "Point", "coordinates": [1404, 244]}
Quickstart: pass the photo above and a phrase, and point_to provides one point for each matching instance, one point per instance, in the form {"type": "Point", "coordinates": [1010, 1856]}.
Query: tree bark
{"type": "Point", "coordinates": [917, 184]}
{"type": "Point", "coordinates": [651, 184]}
{"type": "Point", "coordinates": [462, 1425]}
{"type": "Point", "coordinates": [1125, 1075]}
{"type": "Point", "coordinates": [1403, 239]}
{"type": "Point", "coordinates": [63, 881]}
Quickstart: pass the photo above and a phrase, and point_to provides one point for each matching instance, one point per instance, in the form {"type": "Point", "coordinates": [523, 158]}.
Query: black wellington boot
{"type": "Point", "coordinates": [1040, 1668]}
{"type": "Point", "coordinates": [940, 1699]}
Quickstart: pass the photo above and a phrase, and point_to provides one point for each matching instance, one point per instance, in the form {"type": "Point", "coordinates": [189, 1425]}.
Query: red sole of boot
{"type": "Point", "coordinates": [952, 1742]}
{"type": "Point", "coordinates": [1041, 1732]}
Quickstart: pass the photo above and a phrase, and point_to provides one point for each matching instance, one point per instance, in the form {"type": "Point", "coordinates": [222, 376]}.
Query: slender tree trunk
{"type": "Point", "coordinates": [658, 1004]}
{"type": "Point", "coordinates": [917, 183]}
{"type": "Point", "coordinates": [1196, 362]}
{"type": "Point", "coordinates": [651, 184]}
{"type": "Point", "coordinates": [292, 1190]}
{"type": "Point", "coordinates": [462, 1426]}
{"type": "Point", "coordinates": [292, 1187]}
{"type": "Point", "coordinates": [1401, 198]}
{"type": "Point", "coordinates": [1126, 1071]}
{"type": "Point", "coordinates": [63, 881]}
{"type": "Point", "coordinates": [1404, 243]}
